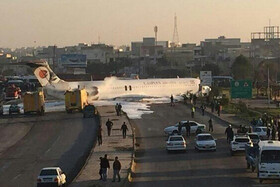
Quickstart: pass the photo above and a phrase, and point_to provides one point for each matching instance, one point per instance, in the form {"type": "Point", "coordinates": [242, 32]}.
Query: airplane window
{"type": "Point", "coordinates": [130, 88]}
{"type": "Point", "coordinates": [125, 88]}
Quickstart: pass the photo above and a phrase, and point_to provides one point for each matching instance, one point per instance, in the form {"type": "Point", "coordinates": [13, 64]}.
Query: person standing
{"type": "Point", "coordinates": [278, 130]}
{"type": "Point", "coordinates": [105, 165]}
{"type": "Point", "coordinates": [210, 122]}
{"type": "Point", "coordinates": [273, 133]}
{"type": "Point", "coordinates": [202, 107]}
{"type": "Point", "coordinates": [229, 133]}
{"type": "Point", "coordinates": [180, 128]}
{"type": "Point", "coordinates": [109, 125]}
{"type": "Point", "coordinates": [268, 133]}
{"type": "Point", "coordinates": [117, 109]}
{"type": "Point", "coordinates": [100, 169]}
{"type": "Point", "coordinates": [99, 136]}
{"type": "Point", "coordinates": [188, 129]}
{"type": "Point", "coordinates": [120, 109]}
{"type": "Point", "coordinates": [116, 167]}
{"type": "Point", "coordinates": [172, 100]}
{"type": "Point", "coordinates": [219, 109]}
{"type": "Point", "coordinates": [212, 106]}
{"type": "Point", "coordinates": [192, 111]}
{"type": "Point", "coordinates": [124, 129]}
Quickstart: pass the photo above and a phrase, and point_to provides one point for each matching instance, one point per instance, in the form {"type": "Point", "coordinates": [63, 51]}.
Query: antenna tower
{"type": "Point", "coordinates": [175, 40]}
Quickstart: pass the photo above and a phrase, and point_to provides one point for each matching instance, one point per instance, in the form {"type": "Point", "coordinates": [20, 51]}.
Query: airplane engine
{"type": "Point", "coordinates": [93, 93]}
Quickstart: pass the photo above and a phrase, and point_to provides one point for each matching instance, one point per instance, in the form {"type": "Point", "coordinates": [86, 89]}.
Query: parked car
{"type": "Point", "coordinates": [194, 126]}
{"type": "Point", "coordinates": [89, 111]}
{"type": "Point", "coordinates": [52, 176]}
{"type": "Point", "coordinates": [176, 143]}
{"type": "Point", "coordinates": [14, 108]}
{"type": "Point", "coordinates": [205, 141]}
{"type": "Point", "coordinates": [261, 131]}
{"type": "Point", "coordinates": [254, 137]}
{"type": "Point", "coordinates": [238, 143]}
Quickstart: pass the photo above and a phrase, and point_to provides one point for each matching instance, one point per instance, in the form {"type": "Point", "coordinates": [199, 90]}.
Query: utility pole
{"type": "Point", "coordinates": [268, 92]}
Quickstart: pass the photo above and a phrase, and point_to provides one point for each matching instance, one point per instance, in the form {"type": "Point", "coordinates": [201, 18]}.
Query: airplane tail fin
{"type": "Point", "coordinates": [43, 72]}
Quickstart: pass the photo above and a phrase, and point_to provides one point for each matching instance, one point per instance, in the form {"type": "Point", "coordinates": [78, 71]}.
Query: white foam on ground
{"type": "Point", "coordinates": [134, 110]}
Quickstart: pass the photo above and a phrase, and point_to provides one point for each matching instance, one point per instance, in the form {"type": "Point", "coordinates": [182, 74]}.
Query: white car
{"type": "Point", "coordinates": [194, 126]}
{"type": "Point", "coordinates": [176, 143]}
{"type": "Point", "coordinates": [261, 131]}
{"type": "Point", "coordinates": [205, 141]}
{"type": "Point", "coordinates": [238, 143]}
{"type": "Point", "coordinates": [53, 176]}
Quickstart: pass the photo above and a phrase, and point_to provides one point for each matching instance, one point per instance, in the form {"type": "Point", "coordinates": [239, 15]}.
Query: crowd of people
{"type": "Point", "coordinates": [272, 124]}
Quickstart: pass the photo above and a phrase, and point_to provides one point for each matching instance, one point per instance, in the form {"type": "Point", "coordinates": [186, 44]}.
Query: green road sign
{"type": "Point", "coordinates": [241, 89]}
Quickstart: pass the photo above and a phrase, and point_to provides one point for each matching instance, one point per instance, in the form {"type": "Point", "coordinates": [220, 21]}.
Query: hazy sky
{"type": "Point", "coordinates": [117, 22]}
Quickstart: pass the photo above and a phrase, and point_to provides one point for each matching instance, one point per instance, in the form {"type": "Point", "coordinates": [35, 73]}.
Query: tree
{"type": "Point", "coordinates": [242, 68]}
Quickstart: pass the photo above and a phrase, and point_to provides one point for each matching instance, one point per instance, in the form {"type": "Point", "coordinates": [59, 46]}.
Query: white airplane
{"type": "Point", "coordinates": [112, 87]}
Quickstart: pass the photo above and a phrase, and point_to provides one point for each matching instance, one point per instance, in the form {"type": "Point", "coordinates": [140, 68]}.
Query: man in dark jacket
{"type": "Point", "coordinates": [104, 166]}
{"type": "Point", "coordinates": [210, 125]}
{"type": "Point", "coordinates": [229, 133]}
{"type": "Point", "coordinates": [109, 125]}
{"type": "Point", "coordinates": [120, 109]}
{"type": "Point", "coordinates": [116, 167]}
{"type": "Point", "coordinates": [124, 129]}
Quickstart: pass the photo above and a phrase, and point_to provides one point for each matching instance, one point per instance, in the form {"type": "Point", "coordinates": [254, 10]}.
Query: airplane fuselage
{"type": "Point", "coordinates": [112, 87]}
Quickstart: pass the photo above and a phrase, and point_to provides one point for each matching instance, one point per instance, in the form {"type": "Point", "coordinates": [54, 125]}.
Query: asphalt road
{"type": "Point", "coordinates": [156, 167]}
{"type": "Point", "coordinates": [56, 139]}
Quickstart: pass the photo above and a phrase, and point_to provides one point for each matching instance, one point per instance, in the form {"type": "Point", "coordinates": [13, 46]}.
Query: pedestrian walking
{"type": "Point", "coordinates": [105, 165]}
{"type": "Point", "coordinates": [100, 169]}
{"type": "Point", "coordinates": [188, 129]}
{"type": "Point", "coordinates": [202, 107]}
{"type": "Point", "coordinates": [278, 130]}
{"type": "Point", "coordinates": [210, 122]}
{"type": "Point", "coordinates": [99, 135]}
{"type": "Point", "coordinates": [120, 109]}
{"type": "Point", "coordinates": [116, 167]}
{"type": "Point", "coordinates": [192, 111]}
{"type": "Point", "coordinates": [229, 133]}
{"type": "Point", "coordinates": [124, 129]}
{"type": "Point", "coordinates": [109, 125]}
{"type": "Point", "coordinates": [117, 109]}
{"type": "Point", "coordinates": [172, 101]}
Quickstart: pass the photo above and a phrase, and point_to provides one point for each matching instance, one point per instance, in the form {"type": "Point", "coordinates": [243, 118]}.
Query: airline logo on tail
{"type": "Point", "coordinates": [43, 75]}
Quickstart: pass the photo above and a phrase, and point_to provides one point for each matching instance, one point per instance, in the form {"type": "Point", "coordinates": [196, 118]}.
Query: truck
{"type": "Point", "coordinates": [12, 92]}
{"type": "Point", "coordinates": [269, 160]}
{"type": "Point", "coordinates": [34, 102]}
{"type": "Point", "coordinates": [75, 100]}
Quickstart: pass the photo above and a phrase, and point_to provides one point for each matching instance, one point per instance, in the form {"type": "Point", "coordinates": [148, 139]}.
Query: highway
{"type": "Point", "coordinates": [156, 167]}
{"type": "Point", "coordinates": [56, 139]}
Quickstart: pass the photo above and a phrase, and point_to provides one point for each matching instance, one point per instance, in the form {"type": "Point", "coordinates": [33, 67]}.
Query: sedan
{"type": "Point", "coordinates": [261, 131]}
{"type": "Point", "coordinates": [193, 124]}
{"type": "Point", "coordinates": [205, 142]}
{"type": "Point", "coordinates": [176, 143]}
{"type": "Point", "coordinates": [51, 176]}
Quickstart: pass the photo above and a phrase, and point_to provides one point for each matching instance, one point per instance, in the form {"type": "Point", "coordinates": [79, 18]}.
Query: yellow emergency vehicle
{"type": "Point", "coordinates": [34, 102]}
{"type": "Point", "coordinates": [75, 100]}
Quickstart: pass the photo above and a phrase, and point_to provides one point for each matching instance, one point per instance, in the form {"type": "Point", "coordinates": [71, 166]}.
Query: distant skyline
{"type": "Point", "coordinates": [118, 22]}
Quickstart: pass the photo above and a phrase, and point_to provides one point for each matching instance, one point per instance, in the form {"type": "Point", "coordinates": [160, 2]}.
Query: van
{"type": "Point", "coordinates": [269, 160]}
